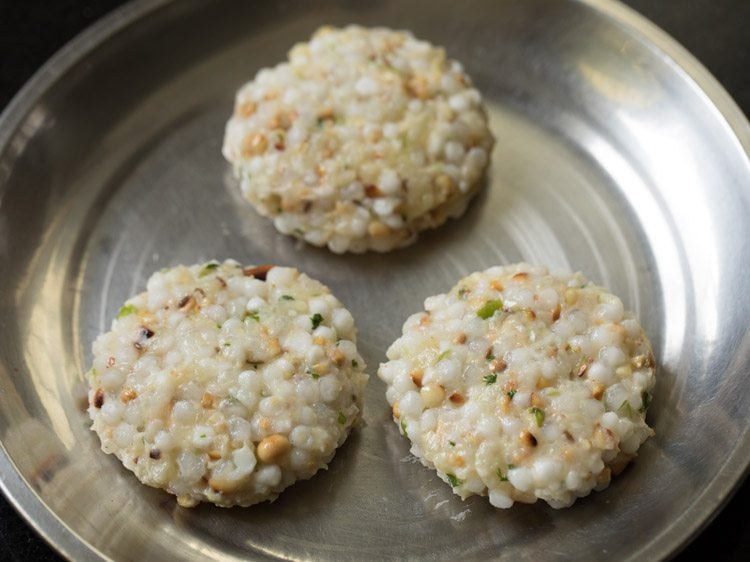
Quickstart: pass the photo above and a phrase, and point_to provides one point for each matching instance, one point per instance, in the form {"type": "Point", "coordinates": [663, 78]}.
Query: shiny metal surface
{"type": "Point", "coordinates": [617, 155]}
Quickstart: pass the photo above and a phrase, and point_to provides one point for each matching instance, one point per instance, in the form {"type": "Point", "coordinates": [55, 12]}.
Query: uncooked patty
{"type": "Point", "coordinates": [361, 140]}
{"type": "Point", "coordinates": [520, 385]}
{"type": "Point", "coordinates": [227, 384]}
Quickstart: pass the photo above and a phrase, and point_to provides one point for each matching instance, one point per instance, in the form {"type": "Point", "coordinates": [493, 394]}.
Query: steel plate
{"type": "Point", "coordinates": [617, 155]}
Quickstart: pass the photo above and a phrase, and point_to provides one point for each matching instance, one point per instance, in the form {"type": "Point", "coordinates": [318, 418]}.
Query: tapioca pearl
{"type": "Point", "coordinates": [191, 467]}
{"type": "Point", "coordinates": [521, 478]}
{"type": "Point", "coordinates": [582, 344]}
{"type": "Point", "coordinates": [632, 328]}
{"type": "Point", "coordinates": [488, 426]}
{"type": "Point", "coordinates": [610, 310]}
{"type": "Point", "coordinates": [606, 335]}
{"type": "Point", "coordinates": [500, 499]}
{"type": "Point", "coordinates": [330, 388]}
{"type": "Point", "coordinates": [247, 286]}
{"type": "Point", "coordinates": [285, 389]}
{"type": "Point", "coordinates": [280, 369]}
{"type": "Point", "coordinates": [600, 373]}
{"type": "Point", "coordinates": [573, 480]}
{"type": "Point", "coordinates": [615, 397]}
{"type": "Point", "coordinates": [111, 379]}
{"type": "Point", "coordinates": [428, 420]}
{"type": "Point", "coordinates": [183, 413]}
{"type": "Point", "coordinates": [202, 436]}
{"type": "Point", "coordinates": [548, 298]}
{"type": "Point", "coordinates": [268, 475]}
{"type": "Point", "coordinates": [447, 372]}
{"type": "Point", "coordinates": [390, 370]}
{"type": "Point", "coordinates": [244, 460]}
{"type": "Point", "coordinates": [389, 182]}
{"type": "Point", "coordinates": [123, 435]}
{"type": "Point", "coordinates": [215, 312]}
{"type": "Point", "coordinates": [255, 304]}
{"type": "Point", "coordinates": [629, 445]}
{"type": "Point", "coordinates": [112, 411]}
{"type": "Point", "coordinates": [612, 356]}
{"type": "Point", "coordinates": [391, 395]}
{"type": "Point", "coordinates": [546, 471]}
{"type": "Point", "coordinates": [522, 399]}
{"type": "Point", "coordinates": [271, 405]}
{"type": "Point", "coordinates": [319, 306]}
{"type": "Point", "coordinates": [239, 429]}
{"type": "Point", "coordinates": [164, 441]}
{"type": "Point", "coordinates": [643, 378]}
{"type": "Point", "coordinates": [250, 380]}
{"type": "Point", "coordinates": [281, 276]}
{"type": "Point", "coordinates": [434, 303]}
{"type": "Point", "coordinates": [299, 341]}
{"type": "Point", "coordinates": [326, 333]}
{"type": "Point", "coordinates": [610, 420]}
{"type": "Point", "coordinates": [300, 460]}
{"type": "Point", "coordinates": [342, 321]}
{"type": "Point", "coordinates": [411, 404]}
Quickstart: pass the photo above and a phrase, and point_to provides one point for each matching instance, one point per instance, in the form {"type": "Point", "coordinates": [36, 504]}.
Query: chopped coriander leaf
{"type": "Point", "coordinates": [452, 443]}
{"type": "Point", "coordinates": [625, 407]}
{"type": "Point", "coordinates": [443, 355]}
{"type": "Point", "coordinates": [511, 466]}
{"type": "Point", "coordinates": [287, 298]}
{"type": "Point", "coordinates": [511, 393]}
{"type": "Point", "coordinates": [208, 268]}
{"type": "Point", "coordinates": [490, 356]}
{"type": "Point", "coordinates": [489, 309]}
{"type": "Point", "coordinates": [227, 344]}
{"type": "Point", "coordinates": [501, 476]}
{"type": "Point", "coordinates": [341, 418]}
{"type": "Point", "coordinates": [126, 310]}
{"type": "Point", "coordinates": [645, 401]}
{"type": "Point", "coordinates": [203, 435]}
{"type": "Point", "coordinates": [403, 428]}
{"type": "Point", "coordinates": [251, 315]}
{"type": "Point", "coordinates": [462, 292]}
{"type": "Point", "coordinates": [538, 416]}
{"type": "Point", "coordinates": [314, 375]}
{"type": "Point", "coordinates": [490, 379]}
{"type": "Point", "coordinates": [316, 319]}
{"type": "Point", "coordinates": [354, 364]}
{"type": "Point", "coordinates": [453, 480]}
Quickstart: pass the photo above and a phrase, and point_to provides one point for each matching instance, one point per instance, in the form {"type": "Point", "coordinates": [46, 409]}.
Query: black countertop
{"type": "Point", "coordinates": [715, 31]}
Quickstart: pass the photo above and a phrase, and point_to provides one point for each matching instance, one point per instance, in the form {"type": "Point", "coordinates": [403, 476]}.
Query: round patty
{"type": "Point", "coordinates": [362, 139]}
{"type": "Point", "coordinates": [520, 385]}
{"type": "Point", "coordinates": [227, 384]}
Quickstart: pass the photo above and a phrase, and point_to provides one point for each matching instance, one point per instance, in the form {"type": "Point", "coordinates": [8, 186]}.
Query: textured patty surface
{"type": "Point", "coordinates": [360, 140]}
{"type": "Point", "coordinates": [227, 384]}
{"type": "Point", "coordinates": [522, 385]}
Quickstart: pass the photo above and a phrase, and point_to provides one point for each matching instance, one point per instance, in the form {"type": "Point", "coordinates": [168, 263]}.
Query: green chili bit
{"type": "Point", "coordinates": [126, 310]}
{"type": "Point", "coordinates": [287, 297]}
{"type": "Point", "coordinates": [645, 401]}
{"type": "Point", "coordinates": [313, 374]}
{"type": "Point", "coordinates": [462, 292]}
{"type": "Point", "coordinates": [625, 407]}
{"type": "Point", "coordinates": [489, 309]}
{"type": "Point", "coordinates": [501, 476]}
{"type": "Point", "coordinates": [403, 428]}
{"type": "Point", "coordinates": [354, 364]}
{"type": "Point", "coordinates": [511, 466]}
{"type": "Point", "coordinates": [251, 316]}
{"type": "Point", "coordinates": [538, 416]}
{"type": "Point", "coordinates": [511, 393]}
{"type": "Point", "coordinates": [316, 319]}
{"type": "Point", "coordinates": [452, 443]}
{"type": "Point", "coordinates": [443, 355]}
{"type": "Point", "coordinates": [208, 268]}
{"type": "Point", "coordinates": [342, 418]}
{"type": "Point", "coordinates": [453, 480]}
{"type": "Point", "coordinates": [490, 379]}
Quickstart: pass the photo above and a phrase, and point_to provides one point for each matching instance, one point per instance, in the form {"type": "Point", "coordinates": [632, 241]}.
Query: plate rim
{"type": "Point", "coordinates": [53, 530]}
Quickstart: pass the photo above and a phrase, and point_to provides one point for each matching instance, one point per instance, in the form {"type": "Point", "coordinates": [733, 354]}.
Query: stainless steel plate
{"type": "Point", "coordinates": [617, 155]}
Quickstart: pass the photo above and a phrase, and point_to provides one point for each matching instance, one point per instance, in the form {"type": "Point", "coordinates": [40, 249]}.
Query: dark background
{"type": "Point", "coordinates": [717, 32]}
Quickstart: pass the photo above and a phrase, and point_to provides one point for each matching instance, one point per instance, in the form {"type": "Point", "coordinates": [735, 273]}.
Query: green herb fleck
{"type": "Point", "coordinates": [489, 309]}
{"type": "Point", "coordinates": [490, 379]}
{"type": "Point", "coordinates": [287, 297]}
{"type": "Point", "coordinates": [203, 436]}
{"type": "Point", "coordinates": [553, 393]}
{"type": "Point", "coordinates": [443, 355]}
{"type": "Point", "coordinates": [452, 443]}
{"type": "Point", "coordinates": [227, 344]}
{"type": "Point", "coordinates": [453, 480]}
{"type": "Point", "coordinates": [314, 375]}
{"type": "Point", "coordinates": [511, 393]}
{"type": "Point", "coordinates": [354, 364]}
{"type": "Point", "coordinates": [403, 428]}
{"type": "Point", "coordinates": [511, 466]}
{"type": "Point", "coordinates": [341, 418]}
{"type": "Point", "coordinates": [126, 310]}
{"type": "Point", "coordinates": [490, 356]}
{"type": "Point", "coordinates": [208, 268]}
{"type": "Point", "coordinates": [625, 406]}
{"type": "Point", "coordinates": [299, 232]}
{"type": "Point", "coordinates": [645, 401]}
{"type": "Point", "coordinates": [251, 315]}
{"type": "Point", "coordinates": [501, 476]}
{"type": "Point", "coordinates": [462, 292]}
{"type": "Point", "coordinates": [538, 416]}
{"type": "Point", "coordinates": [316, 319]}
